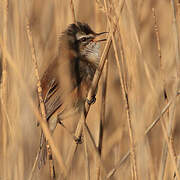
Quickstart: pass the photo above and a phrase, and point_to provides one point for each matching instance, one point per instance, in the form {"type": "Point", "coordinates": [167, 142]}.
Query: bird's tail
{"type": "Point", "coordinates": [42, 157]}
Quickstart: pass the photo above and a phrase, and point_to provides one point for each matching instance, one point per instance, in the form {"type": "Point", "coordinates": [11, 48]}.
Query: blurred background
{"type": "Point", "coordinates": [140, 77]}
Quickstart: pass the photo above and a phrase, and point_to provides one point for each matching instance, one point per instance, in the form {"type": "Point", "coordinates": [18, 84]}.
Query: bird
{"type": "Point", "coordinates": [67, 79]}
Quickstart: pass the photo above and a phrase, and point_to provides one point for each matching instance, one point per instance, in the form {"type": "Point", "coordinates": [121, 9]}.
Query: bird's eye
{"type": "Point", "coordinates": [83, 39]}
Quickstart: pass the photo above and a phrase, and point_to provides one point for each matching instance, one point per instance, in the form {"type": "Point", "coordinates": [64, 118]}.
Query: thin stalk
{"type": "Point", "coordinates": [126, 101]}
{"type": "Point", "coordinates": [4, 85]}
{"type": "Point", "coordinates": [165, 148]}
{"type": "Point", "coordinates": [42, 105]}
{"type": "Point", "coordinates": [73, 11]}
{"type": "Point", "coordinates": [87, 170]}
{"type": "Point", "coordinates": [102, 119]}
{"type": "Point", "coordinates": [148, 129]}
{"type": "Point", "coordinates": [43, 124]}
{"type": "Point", "coordinates": [87, 106]}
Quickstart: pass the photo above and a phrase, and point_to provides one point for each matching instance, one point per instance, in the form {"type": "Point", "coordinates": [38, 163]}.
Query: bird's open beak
{"type": "Point", "coordinates": [96, 39]}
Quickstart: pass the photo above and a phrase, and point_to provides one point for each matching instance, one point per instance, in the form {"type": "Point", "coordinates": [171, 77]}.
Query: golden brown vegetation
{"type": "Point", "coordinates": [132, 131]}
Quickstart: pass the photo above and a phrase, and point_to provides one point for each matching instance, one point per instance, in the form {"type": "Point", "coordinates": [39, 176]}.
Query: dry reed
{"type": "Point", "coordinates": [132, 132]}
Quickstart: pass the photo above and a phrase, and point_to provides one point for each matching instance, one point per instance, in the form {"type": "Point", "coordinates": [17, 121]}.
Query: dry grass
{"type": "Point", "coordinates": [132, 131]}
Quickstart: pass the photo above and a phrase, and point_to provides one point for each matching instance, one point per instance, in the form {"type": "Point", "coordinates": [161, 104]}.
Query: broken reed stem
{"type": "Point", "coordinates": [150, 127]}
{"type": "Point", "coordinates": [42, 106]}
{"type": "Point", "coordinates": [126, 101]}
{"type": "Point", "coordinates": [73, 11]}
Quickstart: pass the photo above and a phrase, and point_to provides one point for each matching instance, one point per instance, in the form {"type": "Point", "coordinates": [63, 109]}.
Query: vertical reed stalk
{"type": "Point", "coordinates": [126, 101]}
{"type": "Point", "coordinates": [4, 87]}
{"type": "Point", "coordinates": [73, 11]}
{"type": "Point", "coordinates": [42, 106]}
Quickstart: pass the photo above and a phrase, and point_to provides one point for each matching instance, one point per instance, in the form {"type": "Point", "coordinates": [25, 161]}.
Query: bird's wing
{"type": "Point", "coordinates": [51, 90]}
{"type": "Point", "coordinates": [52, 100]}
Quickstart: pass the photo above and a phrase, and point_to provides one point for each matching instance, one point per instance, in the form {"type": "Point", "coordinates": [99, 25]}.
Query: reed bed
{"type": "Point", "coordinates": [132, 131]}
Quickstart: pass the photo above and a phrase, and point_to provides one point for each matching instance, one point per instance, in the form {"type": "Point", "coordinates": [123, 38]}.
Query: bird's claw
{"type": "Point", "coordinates": [92, 100]}
{"type": "Point", "coordinates": [59, 121]}
{"type": "Point", "coordinates": [78, 140]}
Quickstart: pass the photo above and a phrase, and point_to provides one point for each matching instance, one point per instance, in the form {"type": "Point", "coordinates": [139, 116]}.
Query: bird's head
{"type": "Point", "coordinates": [84, 41]}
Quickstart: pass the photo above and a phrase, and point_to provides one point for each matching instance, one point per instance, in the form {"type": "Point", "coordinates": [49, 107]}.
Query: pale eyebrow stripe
{"type": "Point", "coordinates": [86, 36]}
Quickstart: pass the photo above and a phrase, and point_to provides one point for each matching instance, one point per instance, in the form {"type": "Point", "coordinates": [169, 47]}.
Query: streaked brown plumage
{"type": "Point", "coordinates": [68, 78]}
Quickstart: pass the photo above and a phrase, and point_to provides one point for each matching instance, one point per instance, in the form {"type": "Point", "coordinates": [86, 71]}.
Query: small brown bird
{"type": "Point", "coordinates": [66, 81]}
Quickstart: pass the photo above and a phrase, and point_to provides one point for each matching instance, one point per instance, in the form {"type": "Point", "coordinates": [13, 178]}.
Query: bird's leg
{"type": "Point", "coordinates": [78, 140]}
{"type": "Point", "coordinates": [92, 100]}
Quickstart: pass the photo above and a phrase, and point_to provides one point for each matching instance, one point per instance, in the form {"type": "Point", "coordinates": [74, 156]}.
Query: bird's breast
{"type": "Point", "coordinates": [92, 52]}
